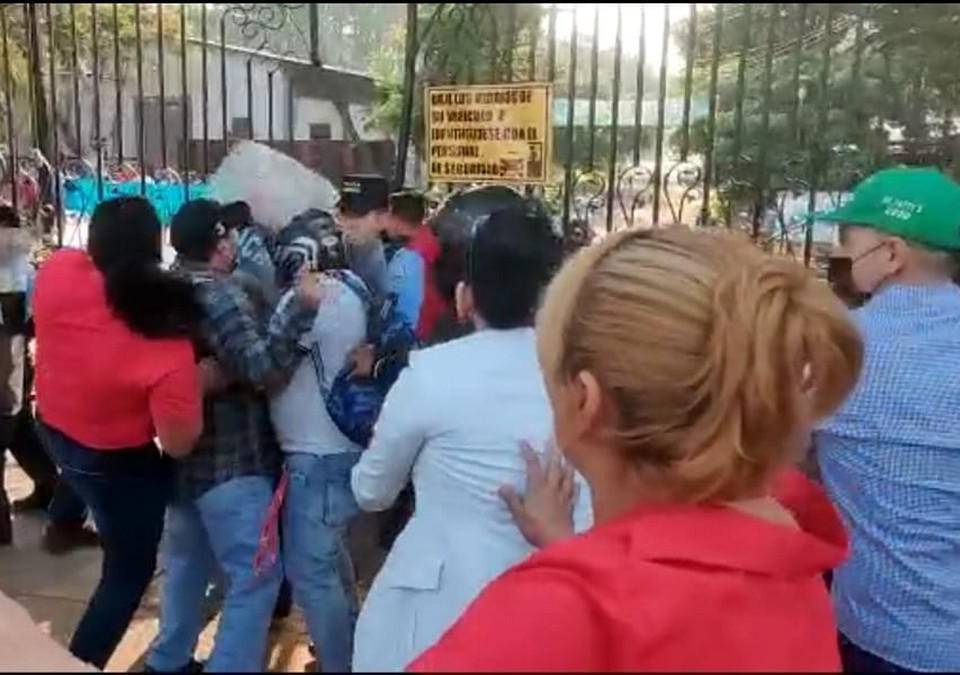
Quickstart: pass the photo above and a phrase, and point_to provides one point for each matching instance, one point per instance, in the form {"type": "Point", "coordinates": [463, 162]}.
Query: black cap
{"type": "Point", "coordinates": [363, 194]}
{"type": "Point", "coordinates": [236, 215]}
{"type": "Point", "coordinates": [197, 228]}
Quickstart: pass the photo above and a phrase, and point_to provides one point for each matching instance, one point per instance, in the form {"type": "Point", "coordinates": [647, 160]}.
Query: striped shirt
{"type": "Point", "coordinates": [890, 459]}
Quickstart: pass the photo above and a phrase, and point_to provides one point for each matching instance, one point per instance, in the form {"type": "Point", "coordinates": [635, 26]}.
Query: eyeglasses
{"type": "Point", "coordinates": [868, 252]}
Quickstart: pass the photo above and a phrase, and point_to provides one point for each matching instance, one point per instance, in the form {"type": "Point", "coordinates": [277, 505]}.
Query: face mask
{"type": "Point", "coordinates": [840, 274]}
{"type": "Point", "coordinates": [840, 278]}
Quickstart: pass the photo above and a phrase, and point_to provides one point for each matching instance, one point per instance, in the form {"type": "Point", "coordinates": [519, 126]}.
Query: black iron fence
{"type": "Point", "coordinates": [146, 98]}
{"type": "Point", "coordinates": [753, 116]}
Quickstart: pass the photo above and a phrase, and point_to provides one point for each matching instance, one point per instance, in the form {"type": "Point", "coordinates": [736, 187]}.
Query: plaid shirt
{"type": "Point", "coordinates": [238, 438]}
{"type": "Point", "coordinates": [890, 459]}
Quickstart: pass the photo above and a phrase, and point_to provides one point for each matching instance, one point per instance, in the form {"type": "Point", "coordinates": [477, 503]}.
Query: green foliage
{"type": "Point", "coordinates": [353, 35]}
{"type": "Point", "coordinates": [461, 43]}
{"type": "Point", "coordinates": [126, 23]}
{"type": "Point", "coordinates": [605, 66]}
{"type": "Point", "coordinates": [899, 84]}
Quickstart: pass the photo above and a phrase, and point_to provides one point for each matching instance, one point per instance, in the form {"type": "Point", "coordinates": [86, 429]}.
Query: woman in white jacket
{"type": "Point", "coordinates": [455, 421]}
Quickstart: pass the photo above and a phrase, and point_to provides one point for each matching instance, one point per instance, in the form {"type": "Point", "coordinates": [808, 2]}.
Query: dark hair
{"type": "Point", "coordinates": [125, 246]}
{"type": "Point", "coordinates": [512, 258]}
{"type": "Point", "coordinates": [410, 207]}
{"type": "Point", "coordinates": [196, 229]}
{"type": "Point", "coordinates": [236, 215]}
{"type": "Point", "coordinates": [454, 226]}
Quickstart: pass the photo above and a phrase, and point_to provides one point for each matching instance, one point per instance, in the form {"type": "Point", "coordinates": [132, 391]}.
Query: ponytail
{"type": "Point", "coordinates": [125, 246]}
{"type": "Point", "coordinates": [153, 303]}
{"type": "Point", "coordinates": [712, 353]}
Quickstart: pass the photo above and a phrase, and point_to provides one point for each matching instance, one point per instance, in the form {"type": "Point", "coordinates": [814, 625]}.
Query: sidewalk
{"type": "Point", "coordinates": [55, 590]}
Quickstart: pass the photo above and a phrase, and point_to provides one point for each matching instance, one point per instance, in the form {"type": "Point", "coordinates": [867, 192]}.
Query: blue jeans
{"type": "Point", "coordinates": [220, 529]}
{"type": "Point", "coordinates": [317, 510]}
{"type": "Point", "coordinates": [127, 491]}
{"type": "Point", "coordinates": [857, 660]}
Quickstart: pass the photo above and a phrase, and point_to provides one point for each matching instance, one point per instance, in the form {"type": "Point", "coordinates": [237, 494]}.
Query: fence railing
{"type": "Point", "coordinates": [102, 99]}
{"type": "Point", "coordinates": [751, 116]}
{"type": "Point", "coordinates": [801, 101]}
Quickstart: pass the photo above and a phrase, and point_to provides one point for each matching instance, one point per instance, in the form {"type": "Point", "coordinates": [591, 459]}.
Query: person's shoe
{"type": "Point", "coordinates": [62, 539]}
{"type": "Point", "coordinates": [38, 500]}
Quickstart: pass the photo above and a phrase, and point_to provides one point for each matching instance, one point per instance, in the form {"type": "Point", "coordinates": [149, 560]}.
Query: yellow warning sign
{"type": "Point", "coordinates": [497, 133]}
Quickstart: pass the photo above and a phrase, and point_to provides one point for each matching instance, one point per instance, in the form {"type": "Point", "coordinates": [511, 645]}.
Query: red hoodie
{"type": "Point", "coordinates": [425, 243]}
{"type": "Point", "coordinates": [668, 588]}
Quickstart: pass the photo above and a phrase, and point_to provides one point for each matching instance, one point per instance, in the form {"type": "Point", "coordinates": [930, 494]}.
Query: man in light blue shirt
{"type": "Point", "coordinates": [890, 458]}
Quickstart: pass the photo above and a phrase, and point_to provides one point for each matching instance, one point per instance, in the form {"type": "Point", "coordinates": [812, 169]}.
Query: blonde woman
{"type": "Point", "coordinates": [685, 372]}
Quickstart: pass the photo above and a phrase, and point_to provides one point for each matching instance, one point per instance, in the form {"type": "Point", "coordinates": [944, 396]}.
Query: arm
{"type": "Point", "coordinates": [239, 345]}
{"type": "Point", "coordinates": [530, 619]}
{"type": "Point", "coordinates": [384, 469]}
{"type": "Point", "coordinates": [406, 282]}
{"type": "Point", "coordinates": [176, 406]}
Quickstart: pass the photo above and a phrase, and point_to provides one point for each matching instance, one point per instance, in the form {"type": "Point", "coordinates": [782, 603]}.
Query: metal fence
{"type": "Point", "coordinates": [102, 97]}
{"type": "Point", "coordinates": [801, 101]}
{"type": "Point", "coordinates": [748, 116]}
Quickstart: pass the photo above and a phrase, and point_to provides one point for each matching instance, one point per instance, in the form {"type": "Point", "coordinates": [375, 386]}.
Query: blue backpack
{"type": "Point", "coordinates": [354, 402]}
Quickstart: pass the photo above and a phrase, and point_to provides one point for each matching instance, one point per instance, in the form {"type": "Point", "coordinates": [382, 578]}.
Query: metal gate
{"type": "Point", "coordinates": [103, 99]}
{"type": "Point", "coordinates": [751, 116]}
{"type": "Point", "coordinates": [776, 109]}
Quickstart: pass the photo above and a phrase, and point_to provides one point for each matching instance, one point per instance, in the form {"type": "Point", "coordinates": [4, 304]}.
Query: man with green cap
{"type": "Point", "coordinates": [890, 458]}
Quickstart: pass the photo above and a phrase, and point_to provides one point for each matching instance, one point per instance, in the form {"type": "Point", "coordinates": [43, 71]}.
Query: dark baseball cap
{"type": "Point", "coordinates": [197, 228]}
{"type": "Point", "coordinates": [361, 194]}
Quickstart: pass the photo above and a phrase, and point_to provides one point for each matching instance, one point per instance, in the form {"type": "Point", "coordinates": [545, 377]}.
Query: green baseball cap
{"type": "Point", "coordinates": [920, 205]}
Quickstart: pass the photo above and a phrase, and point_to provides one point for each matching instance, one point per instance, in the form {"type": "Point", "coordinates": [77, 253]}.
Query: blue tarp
{"type": "Point", "coordinates": [80, 195]}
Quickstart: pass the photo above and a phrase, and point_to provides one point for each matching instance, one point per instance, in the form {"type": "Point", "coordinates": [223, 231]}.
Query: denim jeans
{"type": "Point", "coordinates": [857, 660]}
{"type": "Point", "coordinates": [27, 447]}
{"type": "Point", "coordinates": [219, 530]}
{"type": "Point", "coordinates": [127, 491]}
{"type": "Point", "coordinates": [317, 510]}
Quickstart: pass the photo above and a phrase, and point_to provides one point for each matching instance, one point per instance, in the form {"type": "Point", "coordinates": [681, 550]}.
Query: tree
{"type": "Point", "coordinates": [459, 43]}
{"type": "Point", "coordinates": [891, 73]}
{"type": "Point", "coordinates": [26, 20]}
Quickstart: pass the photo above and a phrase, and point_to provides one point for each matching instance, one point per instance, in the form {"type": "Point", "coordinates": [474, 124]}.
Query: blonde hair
{"type": "Point", "coordinates": [703, 346]}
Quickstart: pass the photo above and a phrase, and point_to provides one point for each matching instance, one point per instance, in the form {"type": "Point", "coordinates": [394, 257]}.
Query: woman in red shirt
{"type": "Point", "coordinates": [685, 371]}
{"type": "Point", "coordinates": [115, 369]}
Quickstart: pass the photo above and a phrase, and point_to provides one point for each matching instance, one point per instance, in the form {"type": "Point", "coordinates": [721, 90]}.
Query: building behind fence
{"type": "Point", "coordinates": [737, 117]}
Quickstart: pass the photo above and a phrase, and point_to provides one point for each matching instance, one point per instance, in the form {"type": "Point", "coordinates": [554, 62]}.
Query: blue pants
{"type": "Point", "coordinates": [127, 492]}
{"type": "Point", "coordinates": [857, 660]}
{"type": "Point", "coordinates": [317, 510]}
{"type": "Point", "coordinates": [220, 529]}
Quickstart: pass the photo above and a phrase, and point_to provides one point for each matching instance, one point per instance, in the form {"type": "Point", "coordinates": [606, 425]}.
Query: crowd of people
{"type": "Point", "coordinates": [592, 459]}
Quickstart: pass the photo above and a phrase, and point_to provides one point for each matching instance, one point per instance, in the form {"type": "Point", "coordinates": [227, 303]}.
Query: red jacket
{"type": "Point", "coordinates": [98, 382]}
{"type": "Point", "coordinates": [425, 243]}
{"type": "Point", "coordinates": [668, 588]}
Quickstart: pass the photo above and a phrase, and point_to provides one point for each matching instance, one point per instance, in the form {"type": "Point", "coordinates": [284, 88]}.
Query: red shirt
{"type": "Point", "coordinates": [98, 382]}
{"type": "Point", "coordinates": [669, 588]}
{"type": "Point", "coordinates": [425, 243]}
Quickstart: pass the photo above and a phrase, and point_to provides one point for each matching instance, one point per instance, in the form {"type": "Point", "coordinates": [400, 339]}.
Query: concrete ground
{"type": "Point", "coordinates": [55, 590]}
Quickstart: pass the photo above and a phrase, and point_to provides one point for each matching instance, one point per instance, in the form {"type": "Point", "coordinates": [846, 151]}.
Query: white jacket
{"type": "Point", "coordinates": [454, 421]}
